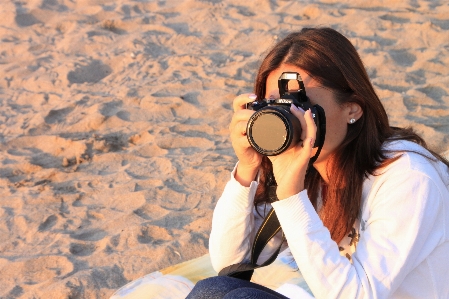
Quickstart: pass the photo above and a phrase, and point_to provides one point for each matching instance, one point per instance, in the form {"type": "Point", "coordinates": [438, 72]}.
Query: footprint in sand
{"type": "Point", "coordinates": [174, 220]}
{"type": "Point", "coordinates": [48, 223]}
{"type": "Point", "coordinates": [23, 18]}
{"type": "Point", "coordinates": [403, 57]}
{"type": "Point", "coordinates": [434, 92]}
{"type": "Point", "coordinates": [58, 115]}
{"type": "Point", "coordinates": [93, 235]}
{"type": "Point", "coordinates": [154, 235]}
{"type": "Point", "coordinates": [394, 19]}
{"type": "Point", "coordinates": [151, 211]}
{"type": "Point", "coordinates": [90, 73]}
{"type": "Point", "coordinates": [81, 249]}
{"type": "Point", "coordinates": [443, 24]}
{"type": "Point", "coordinates": [16, 292]}
{"type": "Point", "coordinates": [416, 77]}
{"type": "Point", "coordinates": [111, 108]}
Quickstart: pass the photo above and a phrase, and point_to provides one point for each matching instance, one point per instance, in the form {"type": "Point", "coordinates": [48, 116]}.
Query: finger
{"type": "Point", "coordinates": [238, 137]}
{"type": "Point", "coordinates": [240, 116]}
{"type": "Point", "coordinates": [311, 131]}
{"type": "Point", "coordinates": [241, 142]}
{"type": "Point", "coordinates": [241, 101]}
{"type": "Point", "coordinates": [241, 128]}
{"type": "Point", "coordinates": [299, 113]}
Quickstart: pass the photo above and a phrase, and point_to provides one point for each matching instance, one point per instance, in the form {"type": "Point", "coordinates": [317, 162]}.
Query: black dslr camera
{"type": "Point", "coordinates": [272, 129]}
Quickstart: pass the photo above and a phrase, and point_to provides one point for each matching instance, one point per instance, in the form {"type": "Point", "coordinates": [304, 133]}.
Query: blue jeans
{"type": "Point", "coordinates": [223, 287]}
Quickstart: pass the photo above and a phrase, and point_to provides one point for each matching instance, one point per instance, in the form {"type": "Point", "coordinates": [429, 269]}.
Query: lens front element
{"type": "Point", "coordinates": [269, 131]}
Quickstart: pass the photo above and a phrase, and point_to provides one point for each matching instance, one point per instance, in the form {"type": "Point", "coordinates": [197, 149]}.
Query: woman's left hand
{"type": "Point", "coordinates": [289, 168]}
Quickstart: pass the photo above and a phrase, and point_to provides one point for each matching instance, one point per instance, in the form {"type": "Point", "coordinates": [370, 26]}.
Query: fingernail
{"type": "Point", "coordinates": [294, 107]}
{"type": "Point", "coordinates": [310, 112]}
{"type": "Point", "coordinates": [312, 142]}
{"type": "Point", "coordinates": [252, 96]}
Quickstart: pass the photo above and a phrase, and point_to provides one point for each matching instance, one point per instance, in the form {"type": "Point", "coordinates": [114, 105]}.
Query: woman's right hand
{"type": "Point", "coordinates": [249, 159]}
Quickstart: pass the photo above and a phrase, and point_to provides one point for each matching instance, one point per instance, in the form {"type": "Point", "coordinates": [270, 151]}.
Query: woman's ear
{"type": "Point", "coordinates": [354, 111]}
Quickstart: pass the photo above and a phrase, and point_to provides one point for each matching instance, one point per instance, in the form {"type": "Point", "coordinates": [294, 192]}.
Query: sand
{"type": "Point", "coordinates": [114, 119]}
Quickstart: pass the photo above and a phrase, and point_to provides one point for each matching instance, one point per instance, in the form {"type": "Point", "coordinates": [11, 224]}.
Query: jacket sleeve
{"type": "Point", "coordinates": [232, 225]}
{"type": "Point", "coordinates": [403, 206]}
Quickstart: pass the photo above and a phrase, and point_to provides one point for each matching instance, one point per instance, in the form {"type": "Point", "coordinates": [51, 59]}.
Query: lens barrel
{"type": "Point", "coordinates": [272, 130]}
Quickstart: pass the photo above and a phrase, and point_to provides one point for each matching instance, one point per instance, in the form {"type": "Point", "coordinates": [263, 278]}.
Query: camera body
{"type": "Point", "coordinates": [273, 129]}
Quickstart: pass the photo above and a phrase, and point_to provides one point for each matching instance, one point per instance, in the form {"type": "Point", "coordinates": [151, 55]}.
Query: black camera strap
{"type": "Point", "coordinates": [269, 228]}
{"type": "Point", "coordinates": [321, 132]}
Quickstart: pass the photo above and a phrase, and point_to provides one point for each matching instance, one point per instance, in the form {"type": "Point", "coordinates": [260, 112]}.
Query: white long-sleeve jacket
{"type": "Point", "coordinates": [399, 247]}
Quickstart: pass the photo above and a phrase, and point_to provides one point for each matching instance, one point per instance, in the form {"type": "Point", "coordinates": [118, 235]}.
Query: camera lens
{"type": "Point", "coordinates": [270, 131]}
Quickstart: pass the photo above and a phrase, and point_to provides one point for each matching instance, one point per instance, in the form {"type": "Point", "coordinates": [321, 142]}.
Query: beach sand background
{"type": "Point", "coordinates": [114, 119]}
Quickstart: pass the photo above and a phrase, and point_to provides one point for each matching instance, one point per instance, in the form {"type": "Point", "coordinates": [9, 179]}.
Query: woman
{"type": "Point", "coordinates": [369, 219]}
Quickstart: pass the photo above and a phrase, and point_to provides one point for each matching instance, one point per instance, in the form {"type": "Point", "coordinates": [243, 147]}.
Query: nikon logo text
{"type": "Point", "coordinates": [284, 101]}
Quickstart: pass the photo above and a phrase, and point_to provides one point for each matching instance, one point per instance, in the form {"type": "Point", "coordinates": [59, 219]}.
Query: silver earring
{"type": "Point", "coordinates": [352, 120]}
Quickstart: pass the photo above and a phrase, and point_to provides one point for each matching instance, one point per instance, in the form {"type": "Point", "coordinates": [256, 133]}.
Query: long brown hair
{"type": "Point", "coordinates": [332, 60]}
